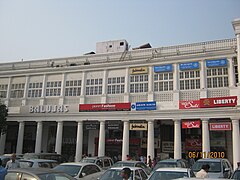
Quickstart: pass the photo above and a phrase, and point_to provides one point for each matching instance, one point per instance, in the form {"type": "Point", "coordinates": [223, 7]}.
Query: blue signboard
{"type": "Point", "coordinates": [143, 106]}
{"type": "Point", "coordinates": [190, 65]}
{"type": "Point", "coordinates": [163, 68]}
{"type": "Point", "coordinates": [216, 63]}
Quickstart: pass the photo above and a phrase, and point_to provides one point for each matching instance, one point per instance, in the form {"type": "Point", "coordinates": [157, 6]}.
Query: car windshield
{"type": "Point", "coordinates": [214, 166]}
{"type": "Point", "coordinates": [167, 175]}
{"type": "Point", "coordinates": [53, 176]}
{"type": "Point", "coordinates": [165, 164]}
{"type": "Point", "coordinates": [121, 164]}
{"type": "Point", "coordinates": [113, 174]}
{"type": "Point", "coordinates": [88, 160]}
{"type": "Point", "coordinates": [26, 164]}
{"type": "Point", "coordinates": [72, 170]}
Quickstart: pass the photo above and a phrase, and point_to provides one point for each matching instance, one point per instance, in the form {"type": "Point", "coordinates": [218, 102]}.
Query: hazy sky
{"type": "Point", "coordinates": [41, 29]}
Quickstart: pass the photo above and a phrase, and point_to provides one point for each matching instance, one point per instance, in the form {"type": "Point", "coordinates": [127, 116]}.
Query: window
{"type": "Point", "coordinates": [53, 88]}
{"type": "Point", "coordinates": [217, 77]}
{"type": "Point", "coordinates": [138, 83]}
{"type": "Point", "coordinates": [35, 89]}
{"type": "Point", "coordinates": [17, 90]}
{"type": "Point", "coordinates": [3, 90]}
{"type": "Point", "coordinates": [94, 87]}
{"type": "Point", "coordinates": [189, 80]}
{"type": "Point", "coordinates": [116, 85]}
{"type": "Point", "coordinates": [73, 88]}
{"type": "Point", "coordinates": [163, 82]}
{"type": "Point", "coordinates": [235, 64]}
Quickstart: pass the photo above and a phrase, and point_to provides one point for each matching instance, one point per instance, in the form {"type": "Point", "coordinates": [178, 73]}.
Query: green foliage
{"type": "Point", "coordinates": [3, 118]}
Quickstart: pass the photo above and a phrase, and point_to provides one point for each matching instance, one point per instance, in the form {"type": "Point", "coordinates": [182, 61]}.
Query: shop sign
{"type": "Point", "coordinates": [218, 142]}
{"type": "Point", "coordinates": [229, 101]}
{"type": "Point", "coordinates": [190, 124]}
{"type": "Point", "coordinates": [105, 107]}
{"type": "Point", "coordinates": [224, 126]}
{"type": "Point", "coordinates": [144, 143]}
{"type": "Point", "coordinates": [192, 104]}
{"type": "Point", "coordinates": [216, 63]}
{"type": "Point", "coordinates": [138, 126]}
{"type": "Point", "coordinates": [113, 126]}
{"type": "Point", "coordinates": [139, 70]}
{"type": "Point", "coordinates": [163, 68]}
{"type": "Point", "coordinates": [144, 106]}
{"type": "Point", "coordinates": [193, 144]}
{"type": "Point", "coordinates": [49, 109]}
{"type": "Point", "coordinates": [116, 141]}
{"type": "Point", "coordinates": [91, 125]}
{"type": "Point", "coordinates": [189, 65]}
{"type": "Point", "coordinates": [168, 147]}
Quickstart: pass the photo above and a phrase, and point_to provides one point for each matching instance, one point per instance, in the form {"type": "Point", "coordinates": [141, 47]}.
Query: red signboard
{"type": "Point", "coordinates": [189, 104]}
{"type": "Point", "coordinates": [105, 107]}
{"type": "Point", "coordinates": [190, 124]}
{"type": "Point", "coordinates": [229, 101]}
{"type": "Point", "coordinates": [224, 126]}
{"type": "Point", "coordinates": [193, 144]}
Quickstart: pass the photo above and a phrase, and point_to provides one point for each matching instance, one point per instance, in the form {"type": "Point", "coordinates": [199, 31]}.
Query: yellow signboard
{"type": "Point", "coordinates": [138, 126]}
{"type": "Point", "coordinates": [139, 70]}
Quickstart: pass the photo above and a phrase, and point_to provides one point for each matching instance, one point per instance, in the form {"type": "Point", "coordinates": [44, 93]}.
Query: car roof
{"type": "Point", "coordinates": [173, 169]}
{"type": "Point", "coordinates": [169, 160]}
{"type": "Point", "coordinates": [38, 160]}
{"type": "Point", "coordinates": [120, 168]}
{"type": "Point", "coordinates": [33, 170]}
{"type": "Point", "coordinates": [210, 160]}
{"type": "Point", "coordinates": [41, 154]}
{"type": "Point", "coordinates": [127, 162]}
{"type": "Point", "coordinates": [78, 163]}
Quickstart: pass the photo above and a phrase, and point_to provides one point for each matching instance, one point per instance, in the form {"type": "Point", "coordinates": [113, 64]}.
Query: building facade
{"type": "Point", "coordinates": [178, 101]}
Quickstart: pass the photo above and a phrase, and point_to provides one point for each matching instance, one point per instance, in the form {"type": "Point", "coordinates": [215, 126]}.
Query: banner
{"type": "Point", "coordinates": [105, 107]}
{"type": "Point", "coordinates": [190, 124]}
{"type": "Point", "coordinates": [192, 104]}
{"type": "Point", "coordinates": [230, 101]}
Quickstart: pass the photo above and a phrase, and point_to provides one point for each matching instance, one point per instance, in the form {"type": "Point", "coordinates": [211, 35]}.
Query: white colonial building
{"type": "Point", "coordinates": [177, 101]}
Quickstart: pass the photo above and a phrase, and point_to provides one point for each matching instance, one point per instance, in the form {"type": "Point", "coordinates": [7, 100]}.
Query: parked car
{"type": "Point", "coordinates": [36, 174]}
{"type": "Point", "coordinates": [37, 163]}
{"type": "Point", "coordinates": [236, 174]}
{"type": "Point", "coordinates": [103, 161]}
{"type": "Point", "coordinates": [219, 168]}
{"type": "Point", "coordinates": [80, 170]}
{"type": "Point", "coordinates": [171, 163]}
{"type": "Point", "coordinates": [171, 173]}
{"type": "Point", "coordinates": [114, 174]}
{"type": "Point", "coordinates": [139, 164]}
{"type": "Point", "coordinates": [52, 156]}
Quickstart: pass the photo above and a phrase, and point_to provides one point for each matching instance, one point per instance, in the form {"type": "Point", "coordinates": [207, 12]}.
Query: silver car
{"type": "Point", "coordinates": [219, 168]}
{"type": "Point", "coordinates": [37, 163]}
{"type": "Point", "coordinates": [78, 170]}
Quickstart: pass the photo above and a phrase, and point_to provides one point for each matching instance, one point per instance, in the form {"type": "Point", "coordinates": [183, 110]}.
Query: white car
{"type": "Point", "coordinates": [79, 170]}
{"type": "Point", "coordinates": [171, 173]}
{"type": "Point", "coordinates": [114, 174]}
{"type": "Point", "coordinates": [37, 163]}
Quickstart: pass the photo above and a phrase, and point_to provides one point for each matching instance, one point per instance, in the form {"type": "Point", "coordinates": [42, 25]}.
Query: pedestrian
{"type": "Point", "coordinates": [154, 161]}
{"type": "Point", "coordinates": [128, 158]}
{"type": "Point", "coordinates": [125, 173]}
{"type": "Point", "coordinates": [12, 163]}
{"type": "Point", "coordinates": [203, 173]}
{"type": "Point", "coordinates": [3, 171]}
{"type": "Point", "coordinates": [149, 162]}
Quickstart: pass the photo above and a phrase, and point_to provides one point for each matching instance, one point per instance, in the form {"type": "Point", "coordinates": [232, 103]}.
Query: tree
{"type": "Point", "coordinates": [3, 118]}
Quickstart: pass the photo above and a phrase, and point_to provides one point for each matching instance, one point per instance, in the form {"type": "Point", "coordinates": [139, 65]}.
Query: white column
{"type": "Point", "coordinates": [231, 75]}
{"type": "Point", "coordinates": [235, 141]}
{"type": "Point", "coordinates": [38, 144]}
{"type": "Point", "coordinates": [125, 142]}
{"type": "Point", "coordinates": [25, 93]}
{"type": "Point", "coordinates": [44, 85]}
{"type": "Point", "coordinates": [79, 143]}
{"type": "Point", "coordinates": [2, 143]}
{"type": "Point", "coordinates": [101, 140]}
{"type": "Point", "coordinates": [205, 138]}
{"type": "Point", "coordinates": [58, 144]}
{"type": "Point", "coordinates": [202, 75]}
{"type": "Point", "coordinates": [150, 79]}
{"type": "Point", "coordinates": [20, 138]}
{"type": "Point", "coordinates": [62, 94]}
{"type": "Point", "coordinates": [238, 57]}
{"type": "Point", "coordinates": [177, 139]}
{"type": "Point", "coordinates": [150, 141]}
{"type": "Point", "coordinates": [104, 82]}
{"type": "Point", "coordinates": [175, 77]}
{"type": "Point", "coordinates": [126, 88]}
{"type": "Point", "coordinates": [83, 88]}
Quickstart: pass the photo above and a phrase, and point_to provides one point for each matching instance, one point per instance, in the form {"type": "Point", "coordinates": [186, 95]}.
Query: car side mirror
{"type": "Point", "coordinates": [226, 169]}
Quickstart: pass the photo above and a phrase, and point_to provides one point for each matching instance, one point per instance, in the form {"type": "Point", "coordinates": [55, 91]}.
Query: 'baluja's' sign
{"type": "Point", "coordinates": [49, 109]}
